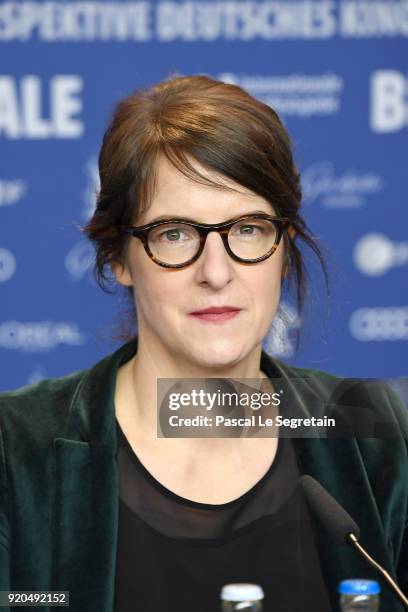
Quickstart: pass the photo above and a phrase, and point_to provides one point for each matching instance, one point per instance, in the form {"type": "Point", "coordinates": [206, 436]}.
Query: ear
{"type": "Point", "coordinates": [121, 273]}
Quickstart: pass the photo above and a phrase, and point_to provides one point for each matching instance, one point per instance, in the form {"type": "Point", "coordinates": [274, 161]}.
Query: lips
{"type": "Point", "coordinates": [216, 310]}
{"type": "Point", "coordinates": [216, 314]}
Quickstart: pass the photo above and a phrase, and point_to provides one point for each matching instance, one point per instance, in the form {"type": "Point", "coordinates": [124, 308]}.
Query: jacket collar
{"type": "Point", "coordinates": [92, 410]}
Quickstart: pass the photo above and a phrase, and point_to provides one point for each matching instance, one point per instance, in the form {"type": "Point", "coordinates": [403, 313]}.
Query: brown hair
{"type": "Point", "coordinates": [219, 125]}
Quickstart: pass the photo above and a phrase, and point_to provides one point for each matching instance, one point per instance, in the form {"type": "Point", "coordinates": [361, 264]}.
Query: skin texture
{"type": "Point", "coordinates": [171, 344]}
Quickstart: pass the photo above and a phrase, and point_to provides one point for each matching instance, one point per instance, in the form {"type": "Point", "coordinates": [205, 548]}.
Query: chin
{"type": "Point", "coordinates": [219, 353]}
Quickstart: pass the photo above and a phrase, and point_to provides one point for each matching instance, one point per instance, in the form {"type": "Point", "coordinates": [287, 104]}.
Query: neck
{"type": "Point", "coordinates": [136, 390]}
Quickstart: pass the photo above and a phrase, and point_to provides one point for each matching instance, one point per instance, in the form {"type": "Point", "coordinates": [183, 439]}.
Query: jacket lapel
{"type": "Point", "coordinates": [85, 524]}
{"type": "Point", "coordinates": [87, 491]}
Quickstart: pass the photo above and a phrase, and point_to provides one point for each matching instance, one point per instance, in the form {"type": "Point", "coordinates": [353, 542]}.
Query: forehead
{"type": "Point", "coordinates": [178, 195]}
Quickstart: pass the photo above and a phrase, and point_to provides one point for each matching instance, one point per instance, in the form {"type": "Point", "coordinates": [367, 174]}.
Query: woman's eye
{"type": "Point", "coordinates": [174, 234]}
{"type": "Point", "coordinates": [249, 229]}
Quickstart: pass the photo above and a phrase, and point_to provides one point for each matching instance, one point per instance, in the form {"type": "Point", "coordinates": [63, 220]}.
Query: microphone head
{"type": "Point", "coordinates": [331, 514]}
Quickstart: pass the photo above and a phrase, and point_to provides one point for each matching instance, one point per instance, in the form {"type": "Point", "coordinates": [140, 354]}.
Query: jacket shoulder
{"type": "Point", "coordinates": [48, 389]}
{"type": "Point", "coordinates": [40, 409]}
{"type": "Point", "coordinates": [311, 383]}
{"type": "Point", "coordinates": [355, 399]}
{"type": "Point", "coordinates": [313, 374]}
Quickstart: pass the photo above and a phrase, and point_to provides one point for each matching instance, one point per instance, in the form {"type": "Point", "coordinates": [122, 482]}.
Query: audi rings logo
{"type": "Point", "coordinates": [379, 324]}
{"type": "Point", "coordinates": [7, 265]}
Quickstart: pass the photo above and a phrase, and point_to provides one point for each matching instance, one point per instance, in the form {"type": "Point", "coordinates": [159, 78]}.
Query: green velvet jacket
{"type": "Point", "coordinates": [59, 482]}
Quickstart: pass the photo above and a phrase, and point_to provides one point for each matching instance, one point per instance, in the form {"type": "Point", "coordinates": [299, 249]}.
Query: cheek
{"type": "Point", "coordinates": [265, 287]}
{"type": "Point", "coordinates": [157, 291]}
{"type": "Point", "coordinates": [266, 293]}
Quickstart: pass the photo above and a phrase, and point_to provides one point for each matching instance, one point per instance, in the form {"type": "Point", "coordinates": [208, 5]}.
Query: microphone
{"type": "Point", "coordinates": [342, 527]}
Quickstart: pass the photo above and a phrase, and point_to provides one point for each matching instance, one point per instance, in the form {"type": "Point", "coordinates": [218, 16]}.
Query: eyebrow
{"type": "Point", "coordinates": [169, 216]}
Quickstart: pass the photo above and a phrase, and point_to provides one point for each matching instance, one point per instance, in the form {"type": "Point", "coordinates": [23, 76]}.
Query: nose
{"type": "Point", "coordinates": [215, 266]}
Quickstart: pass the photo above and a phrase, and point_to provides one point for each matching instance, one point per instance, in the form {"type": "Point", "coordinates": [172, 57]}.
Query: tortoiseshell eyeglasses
{"type": "Point", "coordinates": [177, 242]}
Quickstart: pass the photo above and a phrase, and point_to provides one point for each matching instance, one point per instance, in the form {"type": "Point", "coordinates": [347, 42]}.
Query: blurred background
{"type": "Point", "coordinates": [336, 72]}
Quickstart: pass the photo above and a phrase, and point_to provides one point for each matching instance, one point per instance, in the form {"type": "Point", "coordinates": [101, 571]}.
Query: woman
{"type": "Point", "coordinates": [198, 210]}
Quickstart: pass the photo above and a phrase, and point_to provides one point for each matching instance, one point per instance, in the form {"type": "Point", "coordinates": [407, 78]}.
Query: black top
{"type": "Point", "coordinates": [174, 554]}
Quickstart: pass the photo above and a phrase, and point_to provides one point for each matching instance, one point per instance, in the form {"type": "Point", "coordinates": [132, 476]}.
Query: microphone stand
{"type": "Point", "coordinates": [351, 538]}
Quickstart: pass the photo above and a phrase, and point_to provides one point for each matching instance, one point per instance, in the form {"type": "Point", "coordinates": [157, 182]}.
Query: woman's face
{"type": "Point", "coordinates": [165, 297]}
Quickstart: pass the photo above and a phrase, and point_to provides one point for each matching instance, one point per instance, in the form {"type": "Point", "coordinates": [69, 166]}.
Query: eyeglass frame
{"type": "Point", "coordinates": [203, 229]}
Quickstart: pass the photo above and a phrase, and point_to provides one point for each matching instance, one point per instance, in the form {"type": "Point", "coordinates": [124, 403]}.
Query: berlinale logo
{"type": "Point", "coordinates": [389, 101]}
{"type": "Point", "coordinates": [30, 108]}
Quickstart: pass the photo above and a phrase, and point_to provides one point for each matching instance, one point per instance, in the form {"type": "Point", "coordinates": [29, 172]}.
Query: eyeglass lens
{"type": "Point", "coordinates": [177, 243]}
